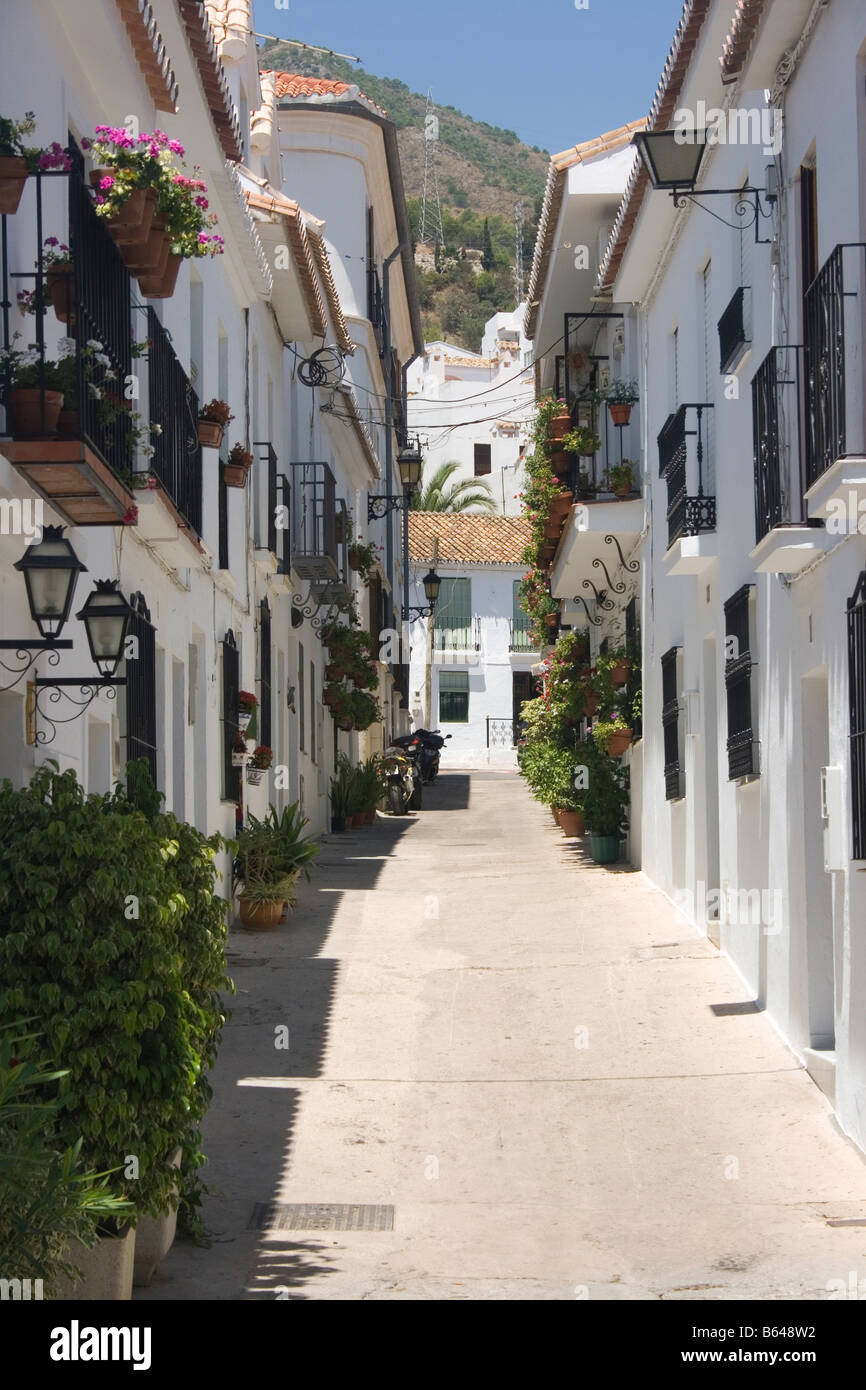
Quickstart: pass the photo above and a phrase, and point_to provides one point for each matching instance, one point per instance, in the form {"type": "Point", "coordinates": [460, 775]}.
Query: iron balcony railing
{"type": "Point", "coordinates": [673, 767]}
{"type": "Point", "coordinates": [732, 330]}
{"type": "Point", "coordinates": [833, 343]}
{"type": "Point", "coordinates": [519, 638]}
{"type": "Point", "coordinates": [278, 502]}
{"type": "Point", "coordinates": [776, 441]}
{"type": "Point", "coordinates": [689, 513]}
{"type": "Point", "coordinates": [314, 521]}
{"type": "Point", "coordinates": [500, 732]}
{"type": "Point", "coordinates": [173, 405]}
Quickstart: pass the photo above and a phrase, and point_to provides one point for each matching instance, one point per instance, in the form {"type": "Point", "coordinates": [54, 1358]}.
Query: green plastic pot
{"type": "Point", "coordinates": [604, 848]}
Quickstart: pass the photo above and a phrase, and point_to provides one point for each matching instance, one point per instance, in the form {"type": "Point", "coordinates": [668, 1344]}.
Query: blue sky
{"type": "Point", "coordinates": [553, 73]}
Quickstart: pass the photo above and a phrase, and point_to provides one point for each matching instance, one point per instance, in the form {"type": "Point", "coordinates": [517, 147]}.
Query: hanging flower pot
{"type": "Point", "coordinates": [26, 411]}
{"type": "Point", "coordinates": [255, 775]}
{"type": "Point", "coordinates": [590, 704]}
{"type": "Point", "coordinates": [560, 461]}
{"type": "Point", "coordinates": [150, 256]}
{"type": "Point", "coordinates": [237, 466]}
{"type": "Point", "coordinates": [161, 284]}
{"type": "Point", "coordinates": [551, 619]}
{"type": "Point", "coordinates": [335, 671]}
{"type": "Point", "coordinates": [559, 423]}
{"type": "Point", "coordinates": [619, 673]}
{"type": "Point", "coordinates": [620, 413]}
{"type": "Point", "coordinates": [130, 224]}
{"type": "Point", "coordinates": [354, 558]}
{"type": "Point", "coordinates": [239, 757]}
{"type": "Point", "coordinates": [210, 433]}
{"type": "Point", "coordinates": [618, 743]}
{"type": "Point", "coordinates": [60, 286]}
{"type": "Point", "coordinates": [13, 176]}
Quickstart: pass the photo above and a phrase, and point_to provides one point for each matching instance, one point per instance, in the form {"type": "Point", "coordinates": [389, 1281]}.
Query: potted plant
{"type": "Point", "coordinates": [340, 796]}
{"type": "Point", "coordinates": [612, 736]}
{"type": "Point", "coordinates": [239, 751]}
{"type": "Point", "coordinates": [361, 557]}
{"type": "Point", "coordinates": [586, 488]}
{"type": "Point", "coordinates": [581, 440]}
{"type": "Point", "coordinates": [270, 856]}
{"type": "Point", "coordinates": [259, 762]}
{"type": "Point", "coordinates": [620, 399]}
{"type": "Point", "coordinates": [605, 803]}
{"type": "Point", "coordinates": [558, 419]}
{"type": "Point", "coordinates": [622, 478]}
{"type": "Point", "coordinates": [617, 664]}
{"type": "Point", "coordinates": [212, 421]}
{"type": "Point", "coordinates": [36, 392]}
{"type": "Point", "coordinates": [247, 706]}
{"type": "Point", "coordinates": [17, 160]}
{"type": "Point", "coordinates": [237, 466]}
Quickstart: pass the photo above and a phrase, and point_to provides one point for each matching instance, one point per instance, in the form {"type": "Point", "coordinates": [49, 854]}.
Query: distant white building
{"type": "Point", "coordinates": [472, 407]}
{"type": "Point", "coordinates": [470, 666]}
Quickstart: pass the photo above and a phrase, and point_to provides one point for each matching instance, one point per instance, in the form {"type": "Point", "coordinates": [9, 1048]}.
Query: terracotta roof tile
{"type": "Point", "coordinates": [467, 539]}
{"type": "Point", "coordinates": [278, 205]}
{"type": "Point", "coordinates": [743, 28]}
{"type": "Point", "coordinates": [291, 85]}
{"type": "Point", "coordinates": [320, 254]}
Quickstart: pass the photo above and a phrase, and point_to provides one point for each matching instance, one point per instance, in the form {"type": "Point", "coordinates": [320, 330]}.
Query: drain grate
{"type": "Point", "coordinates": [320, 1216]}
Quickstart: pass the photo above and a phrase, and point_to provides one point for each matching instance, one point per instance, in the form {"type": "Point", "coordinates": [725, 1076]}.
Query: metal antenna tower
{"type": "Point", "coordinates": [431, 217]}
{"type": "Point", "coordinates": [518, 252]}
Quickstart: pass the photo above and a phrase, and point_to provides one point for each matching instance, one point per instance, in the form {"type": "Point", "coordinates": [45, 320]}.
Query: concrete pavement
{"type": "Point", "coordinates": [560, 1088]}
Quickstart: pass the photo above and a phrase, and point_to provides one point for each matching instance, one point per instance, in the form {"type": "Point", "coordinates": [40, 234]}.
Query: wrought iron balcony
{"type": "Point", "coordinates": [777, 501]}
{"type": "Point", "coordinates": [689, 514]}
{"type": "Point", "coordinates": [833, 342]}
{"type": "Point", "coordinates": [173, 406]}
{"type": "Point", "coordinates": [376, 308]}
{"type": "Point", "coordinates": [314, 522]}
{"type": "Point", "coordinates": [732, 331]}
{"type": "Point", "coordinates": [278, 506]}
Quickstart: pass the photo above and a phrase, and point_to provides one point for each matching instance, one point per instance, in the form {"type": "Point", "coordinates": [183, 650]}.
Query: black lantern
{"type": "Point", "coordinates": [432, 583]}
{"type": "Point", "coordinates": [672, 158]}
{"type": "Point", "coordinates": [106, 616]}
{"type": "Point", "coordinates": [410, 463]}
{"type": "Point", "coordinates": [51, 568]}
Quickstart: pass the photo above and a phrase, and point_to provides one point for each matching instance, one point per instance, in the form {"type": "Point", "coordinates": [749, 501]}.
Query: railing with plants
{"type": "Point", "coordinates": [350, 675]}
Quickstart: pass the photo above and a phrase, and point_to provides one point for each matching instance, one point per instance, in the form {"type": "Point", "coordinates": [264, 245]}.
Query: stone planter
{"type": "Point", "coordinates": [13, 176]}
{"type": "Point", "coordinates": [154, 1237]}
{"type": "Point", "coordinates": [107, 1268]}
{"type": "Point", "coordinates": [25, 411]}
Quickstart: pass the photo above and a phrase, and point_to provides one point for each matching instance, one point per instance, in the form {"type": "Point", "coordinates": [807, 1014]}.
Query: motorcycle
{"type": "Point", "coordinates": [403, 776]}
{"type": "Point", "coordinates": [431, 745]}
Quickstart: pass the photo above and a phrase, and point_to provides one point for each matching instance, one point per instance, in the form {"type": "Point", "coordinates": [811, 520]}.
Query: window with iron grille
{"type": "Point", "coordinates": [674, 771]}
{"type": "Point", "coordinates": [483, 455]}
{"type": "Point", "coordinates": [231, 677]}
{"type": "Point", "coordinates": [857, 713]}
{"type": "Point", "coordinates": [632, 646]}
{"type": "Point", "coordinates": [742, 747]}
{"type": "Point", "coordinates": [223, 523]}
{"type": "Point", "coordinates": [140, 674]}
{"type": "Point", "coordinates": [265, 674]}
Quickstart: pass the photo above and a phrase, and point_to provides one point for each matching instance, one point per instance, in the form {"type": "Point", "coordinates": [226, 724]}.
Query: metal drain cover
{"type": "Point", "coordinates": [320, 1216]}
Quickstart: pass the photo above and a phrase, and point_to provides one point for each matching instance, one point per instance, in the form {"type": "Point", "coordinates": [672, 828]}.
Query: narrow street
{"type": "Point", "coordinates": [560, 1089]}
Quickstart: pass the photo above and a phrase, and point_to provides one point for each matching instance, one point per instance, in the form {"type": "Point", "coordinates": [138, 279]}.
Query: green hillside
{"type": "Point", "coordinates": [483, 171]}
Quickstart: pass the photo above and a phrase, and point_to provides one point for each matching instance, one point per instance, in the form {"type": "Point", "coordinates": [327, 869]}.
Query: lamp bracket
{"type": "Point", "coordinates": [381, 503]}
{"type": "Point", "coordinates": [748, 206]}
{"type": "Point", "coordinates": [36, 648]}
{"type": "Point", "coordinates": [89, 688]}
{"type": "Point", "coordinates": [578, 598]}
{"type": "Point", "coordinates": [424, 610]}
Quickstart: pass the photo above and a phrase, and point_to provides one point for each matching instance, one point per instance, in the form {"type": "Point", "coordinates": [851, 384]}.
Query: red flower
{"type": "Point", "coordinates": [130, 516]}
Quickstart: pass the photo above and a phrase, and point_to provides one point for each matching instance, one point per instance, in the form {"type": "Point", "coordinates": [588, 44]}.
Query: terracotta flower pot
{"type": "Point", "coordinates": [210, 433]}
{"type": "Point", "coordinates": [131, 225]}
{"type": "Point", "coordinates": [67, 422]}
{"type": "Point", "coordinates": [61, 289]}
{"type": "Point", "coordinates": [552, 529]}
{"type": "Point", "coordinates": [559, 461]}
{"type": "Point", "coordinates": [556, 812]}
{"type": "Point", "coordinates": [623, 492]}
{"type": "Point", "coordinates": [551, 619]}
{"type": "Point", "coordinates": [25, 411]}
{"type": "Point", "coordinates": [161, 286]}
{"type": "Point", "coordinates": [235, 474]}
{"type": "Point", "coordinates": [618, 743]}
{"type": "Point", "coordinates": [335, 671]}
{"type": "Point", "coordinates": [354, 560]}
{"type": "Point", "coordinates": [13, 176]}
{"type": "Point", "coordinates": [561, 504]}
{"type": "Point", "coordinates": [619, 673]}
{"type": "Point", "coordinates": [264, 916]}
{"type": "Point", "coordinates": [590, 704]}
{"type": "Point", "coordinates": [619, 414]}
{"type": "Point", "coordinates": [147, 257]}
{"type": "Point", "coordinates": [572, 823]}
{"type": "Point", "coordinates": [559, 425]}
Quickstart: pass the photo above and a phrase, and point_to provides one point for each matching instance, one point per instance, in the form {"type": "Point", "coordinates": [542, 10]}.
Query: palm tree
{"type": "Point", "coordinates": [439, 494]}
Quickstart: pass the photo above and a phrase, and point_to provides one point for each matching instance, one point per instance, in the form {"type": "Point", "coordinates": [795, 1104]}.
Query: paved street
{"type": "Point", "coordinates": [557, 1086]}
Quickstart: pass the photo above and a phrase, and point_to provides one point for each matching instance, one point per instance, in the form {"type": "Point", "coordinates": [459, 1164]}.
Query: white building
{"type": "Point", "coordinates": [471, 662]}
{"type": "Point", "coordinates": [226, 596]}
{"type": "Point", "coordinates": [472, 407]}
{"type": "Point", "coordinates": [751, 791]}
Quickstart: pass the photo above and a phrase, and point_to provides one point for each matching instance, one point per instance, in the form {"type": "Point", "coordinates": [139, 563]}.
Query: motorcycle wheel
{"type": "Point", "coordinates": [415, 799]}
{"type": "Point", "coordinates": [395, 799]}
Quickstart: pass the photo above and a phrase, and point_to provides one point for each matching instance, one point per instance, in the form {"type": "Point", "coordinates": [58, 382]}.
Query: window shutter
{"type": "Point", "coordinates": [674, 774]}
{"type": "Point", "coordinates": [453, 628]}
{"type": "Point", "coordinates": [265, 674]}
{"type": "Point", "coordinates": [742, 755]}
{"type": "Point", "coordinates": [231, 674]}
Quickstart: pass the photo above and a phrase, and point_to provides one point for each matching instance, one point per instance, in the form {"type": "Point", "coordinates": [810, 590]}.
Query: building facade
{"type": "Point", "coordinates": [302, 326]}
{"type": "Point", "coordinates": [471, 661]}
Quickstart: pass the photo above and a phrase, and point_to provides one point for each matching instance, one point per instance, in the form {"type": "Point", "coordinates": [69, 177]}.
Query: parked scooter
{"type": "Point", "coordinates": [403, 775]}
{"type": "Point", "coordinates": [432, 742]}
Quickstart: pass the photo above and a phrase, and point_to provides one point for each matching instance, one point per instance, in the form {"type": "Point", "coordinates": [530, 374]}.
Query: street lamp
{"type": "Point", "coordinates": [672, 160]}
{"type": "Point", "coordinates": [51, 568]}
{"type": "Point", "coordinates": [410, 463]}
{"type": "Point", "coordinates": [106, 616]}
{"type": "Point", "coordinates": [432, 583]}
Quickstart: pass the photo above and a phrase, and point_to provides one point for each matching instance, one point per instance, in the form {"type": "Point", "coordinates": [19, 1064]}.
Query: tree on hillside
{"type": "Point", "coordinates": [488, 260]}
{"type": "Point", "coordinates": [439, 494]}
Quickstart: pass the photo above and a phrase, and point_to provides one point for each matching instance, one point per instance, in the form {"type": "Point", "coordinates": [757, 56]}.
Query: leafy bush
{"type": "Point", "coordinates": [111, 934]}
